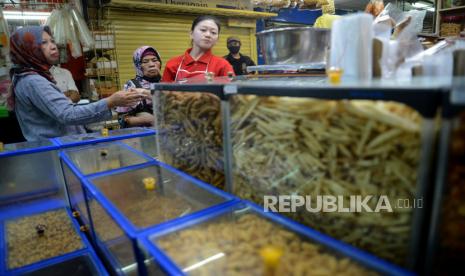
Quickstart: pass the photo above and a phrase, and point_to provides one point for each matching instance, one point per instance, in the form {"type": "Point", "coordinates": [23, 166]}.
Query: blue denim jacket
{"type": "Point", "coordinates": [44, 112]}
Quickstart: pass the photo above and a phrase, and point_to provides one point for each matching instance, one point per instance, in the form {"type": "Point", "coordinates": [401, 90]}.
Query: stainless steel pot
{"type": "Point", "coordinates": [294, 45]}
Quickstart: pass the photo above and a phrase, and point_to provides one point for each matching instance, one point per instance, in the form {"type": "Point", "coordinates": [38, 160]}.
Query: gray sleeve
{"type": "Point", "coordinates": [52, 102]}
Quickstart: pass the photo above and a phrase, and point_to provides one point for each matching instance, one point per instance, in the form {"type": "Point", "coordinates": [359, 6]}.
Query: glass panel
{"type": "Point", "coordinates": [347, 149]}
{"type": "Point", "coordinates": [81, 265]}
{"type": "Point", "coordinates": [34, 238]}
{"type": "Point", "coordinates": [75, 192]}
{"type": "Point", "coordinates": [416, 8]}
{"type": "Point", "coordinates": [111, 236]}
{"type": "Point", "coordinates": [30, 176]}
{"type": "Point", "coordinates": [190, 133]}
{"type": "Point", "coordinates": [146, 144]}
{"type": "Point", "coordinates": [97, 135]}
{"type": "Point", "coordinates": [153, 195]}
{"type": "Point", "coordinates": [242, 242]}
{"type": "Point", "coordinates": [127, 131]}
{"type": "Point", "coordinates": [103, 157]}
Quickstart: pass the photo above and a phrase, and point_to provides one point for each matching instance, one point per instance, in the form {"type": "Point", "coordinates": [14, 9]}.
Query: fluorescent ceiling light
{"type": "Point", "coordinates": [421, 5]}
{"type": "Point", "coordinates": [27, 15]}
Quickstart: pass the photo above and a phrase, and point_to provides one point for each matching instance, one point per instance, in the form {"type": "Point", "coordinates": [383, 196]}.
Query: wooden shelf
{"type": "Point", "coordinates": [452, 9]}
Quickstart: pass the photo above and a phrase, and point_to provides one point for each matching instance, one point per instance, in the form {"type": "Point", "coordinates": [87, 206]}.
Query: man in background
{"type": "Point", "coordinates": [239, 62]}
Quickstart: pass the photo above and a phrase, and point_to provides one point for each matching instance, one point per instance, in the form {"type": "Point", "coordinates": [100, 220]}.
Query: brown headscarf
{"type": "Point", "coordinates": [27, 56]}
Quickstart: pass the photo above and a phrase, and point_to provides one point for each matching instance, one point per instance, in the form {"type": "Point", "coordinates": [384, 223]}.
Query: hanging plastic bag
{"type": "Point", "coordinates": [85, 35]}
{"type": "Point", "coordinates": [417, 20]}
{"type": "Point", "coordinates": [56, 24]}
{"type": "Point", "coordinates": [72, 38]}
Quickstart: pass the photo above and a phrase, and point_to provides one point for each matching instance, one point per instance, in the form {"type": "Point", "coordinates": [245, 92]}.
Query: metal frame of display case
{"type": "Point", "coordinates": [36, 209]}
{"type": "Point", "coordinates": [27, 148]}
{"type": "Point", "coordinates": [132, 232]}
{"type": "Point", "coordinates": [448, 112]}
{"type": "Point", "coordinates": [365, 259]}
{"type": "Point", "coordinates": [421, 95]}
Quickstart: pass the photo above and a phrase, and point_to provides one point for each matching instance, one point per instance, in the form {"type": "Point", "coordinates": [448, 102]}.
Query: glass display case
{"type": "Point", "coordinates": [311, 140]}
{"type": "Point", "coordinates": [29, 171]}
{"type": "Point", "coordinates": [126, 202]}
{"type": "Point", "coordinates": [242, 239]}
{"type": "Point", "coordinates": [357, 143]}
{"type": "Point", "coordinates": [41, 239]}
{"type": "Point", "coordinates": [190, 131]}
{"type": "Point", "coordinates": [446, 241]}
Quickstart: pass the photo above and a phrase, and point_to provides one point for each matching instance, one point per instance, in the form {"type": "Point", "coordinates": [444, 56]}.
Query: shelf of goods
{"type": "Point", "coordinates": [102, 67]}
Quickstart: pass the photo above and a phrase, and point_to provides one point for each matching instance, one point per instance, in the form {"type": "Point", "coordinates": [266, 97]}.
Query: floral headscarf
{"type": "Point", "coordinates": [137, 59]}
{"type": "Point", "coordinates": [27, 56]}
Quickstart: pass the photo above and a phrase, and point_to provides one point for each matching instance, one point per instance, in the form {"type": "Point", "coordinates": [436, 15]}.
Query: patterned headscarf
{"type": "Point", "coordinates": [137, 59]}
{"type": "Point", "coordinates": [27, 56]}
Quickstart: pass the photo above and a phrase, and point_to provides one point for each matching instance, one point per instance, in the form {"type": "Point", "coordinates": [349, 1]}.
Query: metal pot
{"type": "Point", "coordinates": [294, 45]}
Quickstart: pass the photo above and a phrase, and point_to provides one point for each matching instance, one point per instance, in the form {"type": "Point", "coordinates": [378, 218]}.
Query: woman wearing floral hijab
{"type": "Point", "coordinates": [147, 63]}
{"type": "Point", "coordinates": [42, 110]}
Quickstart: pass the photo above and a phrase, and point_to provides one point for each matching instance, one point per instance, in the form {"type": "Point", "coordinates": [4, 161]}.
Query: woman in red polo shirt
{"type": "Point", "coordinates": [199, 60]}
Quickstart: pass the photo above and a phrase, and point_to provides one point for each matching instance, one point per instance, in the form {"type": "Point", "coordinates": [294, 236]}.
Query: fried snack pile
{"type": "Point", "coordinates": [193, 141]}
{"type": "Point", "coordinates": [26, 245]}
{"type": "Point", "coordinates": [237, 243]}
{"type": "Point", "coordinates": [307, 147]}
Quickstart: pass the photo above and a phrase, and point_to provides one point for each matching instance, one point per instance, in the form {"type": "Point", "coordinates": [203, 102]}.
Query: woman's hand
{"type": "Point", "coordinates": [141, 119]}
{"type": "Point", "coordinates": [128, 98]}
{"type": "Point", "coordinates": [142, 91]}
{"type": "Point", "coordinates": [73, 95]}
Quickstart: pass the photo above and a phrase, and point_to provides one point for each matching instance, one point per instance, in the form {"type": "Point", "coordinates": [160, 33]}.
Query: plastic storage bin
{"type": "Point", "coordinates": [43, 239]}
{"type": "Point", "coordinates": [446, 241]}
{"type": "Point", "coordinates": [104, 157]}
{"type": "Point", "coordinates": [29, 171]}
{"type": "Point", "coordinates": [245, 240]}
{"type": "Point", "coordinates": [92, 159]}
{"type": "Point", "coordinates": [126, 202]}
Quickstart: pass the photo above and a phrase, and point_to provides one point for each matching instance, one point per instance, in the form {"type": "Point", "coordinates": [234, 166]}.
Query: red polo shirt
{"type": "Point", "coordinates": [185, 66]}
